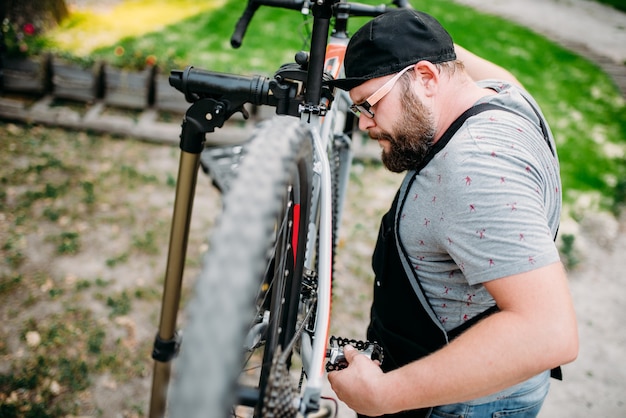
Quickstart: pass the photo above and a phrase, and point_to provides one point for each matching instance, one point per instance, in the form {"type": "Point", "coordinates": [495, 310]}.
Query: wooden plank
{"type": "Point", "coordinates": [128, 89]}
{"type": "Point", "coordinates": [71, 82]}
{"type": "Point", "coordinates": [167, 98]}
{"type": "Point", "coordinates": [25, 75]}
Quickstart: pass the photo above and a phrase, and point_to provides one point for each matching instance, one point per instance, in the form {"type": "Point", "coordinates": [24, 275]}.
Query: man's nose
{"type": "Point", "coordinates": [365, 122]}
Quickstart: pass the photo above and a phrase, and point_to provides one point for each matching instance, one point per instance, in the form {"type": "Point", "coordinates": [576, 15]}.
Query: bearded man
{"type": "Point", "coordinates": [471, 302]}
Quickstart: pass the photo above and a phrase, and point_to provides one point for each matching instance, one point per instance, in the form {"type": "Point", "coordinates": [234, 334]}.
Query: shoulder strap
{"type": "Point", "coordinates": [401, 197]}
{"type": "Point", "coordinates": [542, 124]}
{"type": "Point", "coordinates": [474, 110]}
{"type": "Point", "coordinates": [454, 126]}
{"type": "Point", "coordinates": [403, 192]}
{"type": "Point", "coordinates": [439, 145]}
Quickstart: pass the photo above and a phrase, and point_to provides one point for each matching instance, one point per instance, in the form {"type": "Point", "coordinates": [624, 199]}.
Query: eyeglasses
{"type": "Point", "coordinates": [366, 106]}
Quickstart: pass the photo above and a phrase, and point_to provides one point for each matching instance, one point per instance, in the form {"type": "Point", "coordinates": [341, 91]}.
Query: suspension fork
{"type": "Point", "coordinates": [201, 117]}
{"type": "Point", "coordinates": [167, 342]}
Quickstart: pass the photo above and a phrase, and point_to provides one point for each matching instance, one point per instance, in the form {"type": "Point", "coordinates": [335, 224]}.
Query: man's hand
{"type": "Point", "coordinates": [358, 385]}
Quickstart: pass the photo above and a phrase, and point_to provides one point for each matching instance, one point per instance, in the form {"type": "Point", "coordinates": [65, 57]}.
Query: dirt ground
{"type": "Point", "coordinates": [123, 235]}
{"type": "Point", "coordinates": [84, 227]}
{"type": "Point", "coordinates": [595, 384]}
{"type": "Point", "coordinates": [125, 209]}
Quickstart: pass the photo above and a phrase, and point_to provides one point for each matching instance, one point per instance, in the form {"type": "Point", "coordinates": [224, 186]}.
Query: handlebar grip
{"type": "Point", "coordinates": [285, 4]}
{"type": "Point", "coordinates": [196, 83]}
{"type": "Point", "coordinates": [242, 24]}
{"type": "Point", "coordinates": [403, 4]}
{"type": "Point", "coordinates": [364, 10]}
{"type": "Point", "coordinates": [367, 10]}
{"type": "Point", "coordinates": [251, 8]}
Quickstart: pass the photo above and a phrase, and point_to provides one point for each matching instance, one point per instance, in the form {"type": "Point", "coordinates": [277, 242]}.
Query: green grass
{"type": "Point", "coordinates": [85, 30]}
{"type": "Point", "coordinates": [68, 346]}
{"type": "Point", "coordinates": [52, 181]}
{"type": "Point", "coordinates": [204, 40]}
{"type": "Point", "coordinates": [586, 112]}
{"type": "Point", "coordinates": [618, 4]}
{"type": "Point", "coordinates": [67, 204]}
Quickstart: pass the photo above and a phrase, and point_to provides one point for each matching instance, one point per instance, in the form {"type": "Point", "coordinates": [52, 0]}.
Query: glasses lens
{"type": "Point", "coordinates": [363, 108]}
{"type": "Point", "coordinates": [366, 106]}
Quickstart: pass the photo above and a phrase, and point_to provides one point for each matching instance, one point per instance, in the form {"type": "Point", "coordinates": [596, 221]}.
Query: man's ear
{"type": "Point", "coordinates": [427, 75]}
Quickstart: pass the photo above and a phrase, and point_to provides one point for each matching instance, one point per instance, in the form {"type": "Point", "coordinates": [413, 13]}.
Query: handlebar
{"type": "Point", "coordinates": [284, 90]}
{"type": "Point", "coordinates": [352, 9]}
{"type": "Point", "coordinates": [252, 7]}
{"type": "Point", "coordinates": [366, 10]}
{"type": "Point", "coordinates": [402, 4]}
{"type": "Point", "coordinates": [196, 83]}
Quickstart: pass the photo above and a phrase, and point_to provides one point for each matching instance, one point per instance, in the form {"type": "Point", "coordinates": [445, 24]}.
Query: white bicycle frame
{"type": "Point", "coordinates": [325, 130]}
{"type": "Point", "coordinates": [327, 122]}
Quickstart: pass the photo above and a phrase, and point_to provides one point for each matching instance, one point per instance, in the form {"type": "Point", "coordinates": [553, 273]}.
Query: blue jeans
{"type": "Point", "coordinates": [523, 401]}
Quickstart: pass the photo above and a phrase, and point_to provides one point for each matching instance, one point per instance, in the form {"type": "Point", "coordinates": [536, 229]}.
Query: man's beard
{"type": "Point", "coordinates": [412, 136]}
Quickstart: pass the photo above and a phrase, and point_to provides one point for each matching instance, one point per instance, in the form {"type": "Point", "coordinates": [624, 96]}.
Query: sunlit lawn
{"type": "Point", "coordinates": [586, 112]}
{"type": "Point", "coordinates": [56, 184]}
{"type": "Point", "coordinates": [85, 30]}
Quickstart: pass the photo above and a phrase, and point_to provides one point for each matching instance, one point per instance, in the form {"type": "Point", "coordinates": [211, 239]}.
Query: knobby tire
{"type": "Point", "coordinates": [254, 265]}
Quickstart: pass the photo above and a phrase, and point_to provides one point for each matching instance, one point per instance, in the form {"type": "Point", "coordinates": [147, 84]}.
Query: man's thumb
{"type": "Point", "coordinates": [350, 352]}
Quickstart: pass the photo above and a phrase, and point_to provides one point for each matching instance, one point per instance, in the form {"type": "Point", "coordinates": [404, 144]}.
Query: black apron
{"type": "Point", "coordinates": [398, 295]}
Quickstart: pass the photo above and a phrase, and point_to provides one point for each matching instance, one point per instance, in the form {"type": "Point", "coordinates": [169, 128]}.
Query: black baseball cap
{"type": "Point", "coordinates": [392, 41]}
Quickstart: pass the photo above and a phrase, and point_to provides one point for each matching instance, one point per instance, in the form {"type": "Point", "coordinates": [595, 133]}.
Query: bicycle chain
{"type": "Point", "coordinates": [338, 360]}
{"type": "Point", "coordinates": [280, 394]}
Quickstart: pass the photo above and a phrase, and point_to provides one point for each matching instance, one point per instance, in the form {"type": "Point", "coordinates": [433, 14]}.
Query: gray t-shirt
{"type": "Point", "coordinates": [487, 206]}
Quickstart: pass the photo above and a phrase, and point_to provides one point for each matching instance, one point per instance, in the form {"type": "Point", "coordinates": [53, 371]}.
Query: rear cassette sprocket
{"type": "Point", "coordinates": [280, 399]}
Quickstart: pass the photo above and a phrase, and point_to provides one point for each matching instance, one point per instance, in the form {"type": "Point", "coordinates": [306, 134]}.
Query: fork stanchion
{"type": "Point", "coordinates": [201, 117]}
{"type": "Point", "coordinates": [160, 379]}
{"type": "Point", "coordinates": [166, 342]}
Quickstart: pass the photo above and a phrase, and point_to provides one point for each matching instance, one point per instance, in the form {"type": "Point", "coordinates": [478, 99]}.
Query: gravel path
{"type": "Point", "coordinates": [591, 29]}
{"type": "Point", "coordinates": [595, 383]}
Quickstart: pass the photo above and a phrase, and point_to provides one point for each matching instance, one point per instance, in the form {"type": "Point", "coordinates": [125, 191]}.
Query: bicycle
{"type": "Point", "coordinates": [271, 279]}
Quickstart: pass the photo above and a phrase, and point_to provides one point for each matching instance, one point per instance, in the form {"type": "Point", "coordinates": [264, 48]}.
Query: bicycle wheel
{"type": "Point", "coordinates": [249, 291]}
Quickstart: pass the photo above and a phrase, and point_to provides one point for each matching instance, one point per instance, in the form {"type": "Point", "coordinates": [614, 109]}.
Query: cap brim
{"type": "Point", "coordinates": [347, 83]}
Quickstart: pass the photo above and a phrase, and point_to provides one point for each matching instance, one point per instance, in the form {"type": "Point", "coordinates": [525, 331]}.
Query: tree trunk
{"type": "Point", "coordinates": [42, 14]}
